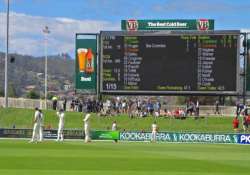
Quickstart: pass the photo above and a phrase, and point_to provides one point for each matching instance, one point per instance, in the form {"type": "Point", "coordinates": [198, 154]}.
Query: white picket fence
{"type": "Point", "coordinates": [25, 103]}
{"type": "Point", "coordinates": [209, 110]}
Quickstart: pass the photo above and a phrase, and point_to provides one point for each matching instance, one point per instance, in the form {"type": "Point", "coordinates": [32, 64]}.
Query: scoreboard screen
{"type": "Point", "coordinates": [169, 62]}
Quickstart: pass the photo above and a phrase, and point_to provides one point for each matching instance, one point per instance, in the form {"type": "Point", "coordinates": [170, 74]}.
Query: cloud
{"type": "Point", "coordinates": [245, 30]}
{"type": "Point", "coordinates": [200, 6]}
{"type": "Point", "coordinates": [26, 35]}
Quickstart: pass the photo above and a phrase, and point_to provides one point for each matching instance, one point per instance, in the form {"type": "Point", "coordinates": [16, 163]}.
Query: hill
{"type": "Point", "coordinates": [26, 73]}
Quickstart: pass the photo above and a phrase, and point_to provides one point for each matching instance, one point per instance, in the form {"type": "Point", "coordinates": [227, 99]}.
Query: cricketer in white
{"type": "Point", "coordinates": [61, 116]}
{"type": "Point", "coordinates": [37, 120]}
{"type": "Point", "coordinates": [87, 128]}
{"type": "Point", "coordinates": [41, 126]}
{"type": "Point", "coordinates": [154, 132]}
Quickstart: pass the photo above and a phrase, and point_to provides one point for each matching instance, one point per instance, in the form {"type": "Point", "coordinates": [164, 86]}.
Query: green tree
{"type": "Point", "coordinates": [50, 96]}
{"type": "Point", "coordinates": [1, 92]}
{"type": "Point", "coordinates": [181, 100]}
{"type": "Point", "coordinates": [12, 90]}
{"type": "Point", "coordinates": [33, 95]}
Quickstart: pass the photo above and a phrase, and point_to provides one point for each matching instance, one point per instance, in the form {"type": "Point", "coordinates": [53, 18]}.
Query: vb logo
{"type": "Point", "coordinates": [202, 24]}
{"type": "Point", "coordinates": [132, 25]}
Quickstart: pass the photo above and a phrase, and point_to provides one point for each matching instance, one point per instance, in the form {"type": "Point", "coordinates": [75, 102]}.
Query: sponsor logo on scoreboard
{"type": "Point", "coordinates": [132, 25]}
{"type": "Point", "coordinates": [202, 24]}
{"type": "Point", "coordinates": [86, 79]}
{"type": "Point", "coordinates": [244, 139]}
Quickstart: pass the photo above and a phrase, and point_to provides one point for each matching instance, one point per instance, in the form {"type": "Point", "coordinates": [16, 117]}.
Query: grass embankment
{"type": "Point", "coordinates": [123, 158]}
{"type": "Point", "coordinates": [22, 118]}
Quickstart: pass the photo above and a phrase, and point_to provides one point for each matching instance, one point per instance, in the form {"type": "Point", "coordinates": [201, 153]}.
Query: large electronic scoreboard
{"type": "Point", "coordinates": [169, 62]}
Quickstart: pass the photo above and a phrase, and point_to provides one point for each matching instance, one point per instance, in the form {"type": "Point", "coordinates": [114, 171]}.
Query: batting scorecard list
{"type": "Point", "coordinates": [165, 63]}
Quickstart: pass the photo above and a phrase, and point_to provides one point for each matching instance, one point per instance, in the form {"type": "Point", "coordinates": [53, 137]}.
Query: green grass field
{"type": "Point", "coordinates": [22, 118]}
{"type": "Point", "coordinates": [123, 158]}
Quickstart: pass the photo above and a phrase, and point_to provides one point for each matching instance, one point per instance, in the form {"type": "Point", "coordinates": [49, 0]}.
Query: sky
{"type": "Point", "coordinates": [67, 17]}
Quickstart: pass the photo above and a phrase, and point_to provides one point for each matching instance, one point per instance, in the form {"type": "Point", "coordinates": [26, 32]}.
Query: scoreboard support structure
{"type": "Point", "coordinates": [245, 55]}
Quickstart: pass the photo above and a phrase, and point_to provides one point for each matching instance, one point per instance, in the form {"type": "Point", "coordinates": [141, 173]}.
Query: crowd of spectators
{"type": "Point", "coordinates": [132, 107]}
{"type": "Point", "coordinates": [88, 105]}
{"type": "Point", "coordinates": [146, 107]}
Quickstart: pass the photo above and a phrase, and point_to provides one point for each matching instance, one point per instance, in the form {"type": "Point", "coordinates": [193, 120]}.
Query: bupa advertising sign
{"type": "Point", "coordinates": [244, 138]}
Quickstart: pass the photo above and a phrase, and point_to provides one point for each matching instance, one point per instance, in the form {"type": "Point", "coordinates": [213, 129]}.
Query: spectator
{"type": "Point", "coordinates": [236, 124]}
{"type": "Point", "coordinates": [124, 106]}
{"type": "Point", "coordinates": [158, 106]}
{"type": "Point", "coordinates": [197, 108]}
{"type": "Point", "coordinates": [100, 106]}
{"type": "Point", "coordinates": [139, 105]}
{"type": "Point", "coordinates": [150, 108]}
{"type": "Point", "coordinates": [237, 104]}
{"type": "Point", "coordinates": [190, 108]}
{"type": "Point", "coordinates": [245, 110]}
{"type": "Point", "coordinates": [245, 123]}
{"type": "Point", "coordinates": [169, 113]}
{"type": "Point", "coordinates": [239, 108]}
{"type": "Point", "coordinates": [64, 103]}
{"type": "Point", "coordinates": [80, 106]}
{"type": "Point", "coordinates": [95, 106]}
{"type": "Point", "coordinates": [157, 114]}
{"type": "Point", "coordinates": [116, 106]}
{"type": "Point", "coordinates": [72, 105]}
{"type": "Point", "coordinates": [130, 109]}
{"type": "Point", "coordinates": [54, 103]}
{"type": "Point", "coordinates": [76, 105]}
{"type": "Point", "coordinates": [182, 114]}
{"type": "Point", "coordinates": [177, 113]}
{"type": "Point", "coordinates": [217, 110]}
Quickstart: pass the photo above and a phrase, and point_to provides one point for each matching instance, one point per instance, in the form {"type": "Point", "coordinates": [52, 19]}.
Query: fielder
{"type": "Point", "coordinates": [41, 125]}
{"type": "Point", "coordinates": [154, 132]}
{"type": "Point", "coordinates": [87, 128]}
{"type": "Point", "coordinates": [61, 116]}
{"type": "Point", "coordinates": [36, 127]}
{"type": "Point", "coordinates": [114, 128]}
